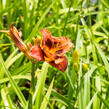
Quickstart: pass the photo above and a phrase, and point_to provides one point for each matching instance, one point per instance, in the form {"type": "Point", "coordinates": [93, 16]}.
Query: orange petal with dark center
{"type": "Point", "coordinates": [55, 46]}
{"type": "Point", "coordinates": [61, 64]}
{"type": "Point", "coordinates": [64, 45]}
{"type": "Point", "coordinates": [47, 38]}
{"type": "Point", "coordinates": [47, 44]}
{"type": "Point", "coordinates": [36, 53]}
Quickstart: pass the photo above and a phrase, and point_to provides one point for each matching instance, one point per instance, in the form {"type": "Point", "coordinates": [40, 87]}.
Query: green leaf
{"type": "Point", "coordinates": [35, 29]}
{"type": "Point", "coordinates": [40, 85]}
{"type": "Point", "coordinates": [13, 83]}
{"type": "Point", "coordinates": [103, 58]}
{"type": "Point", "coordinates": [46, 98]}
{"type": "Point", "coordinates": [15, 77]}
{"type": "Point", "coordinates": [86, 89]}
{"type": "Point", "coordinates": [92, 101]}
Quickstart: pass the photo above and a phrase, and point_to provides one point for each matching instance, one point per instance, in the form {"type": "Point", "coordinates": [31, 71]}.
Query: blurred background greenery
{"type": "Point", "coordinates": [84, 85]}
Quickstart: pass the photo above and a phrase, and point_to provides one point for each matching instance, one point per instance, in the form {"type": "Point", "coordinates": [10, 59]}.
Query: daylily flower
{"type": "Point", "coordinates": [51, 49]}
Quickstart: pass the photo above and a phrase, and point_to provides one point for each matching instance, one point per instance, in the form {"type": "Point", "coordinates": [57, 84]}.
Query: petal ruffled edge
{"type": "Point", "coordinates": [62, 65]}
{"type": "Point", "coordinates": [65, 45]}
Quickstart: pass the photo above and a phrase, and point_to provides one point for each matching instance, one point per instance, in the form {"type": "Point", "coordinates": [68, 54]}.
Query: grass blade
{"type": "Point", "coordinates": [103, 58]}
{"type": "Point", "coordinates": [40, 85]}
{"type": "Point", "coordinates": [86, 89]}
{"type": "Point", "coordinates": [13, 83]}
{"type": "Point", "coordinates": [91, 101]}
{"type": "Point", "coordinates": [35, 29]}
{"type": "Point", "coordinates": [46, 98]}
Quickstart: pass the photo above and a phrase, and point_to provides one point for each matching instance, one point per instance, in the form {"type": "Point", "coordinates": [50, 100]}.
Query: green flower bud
{"type": "Point", "coordinates": [75, 66]}
{"type": "Point", "coordinates": [76, 57]}
{"type": "Point", "coordinates": [85, 67]}
{"type": "Point", "coordinates": [86, 37]}
{"type": "Point", "coordinates": [76, 60]}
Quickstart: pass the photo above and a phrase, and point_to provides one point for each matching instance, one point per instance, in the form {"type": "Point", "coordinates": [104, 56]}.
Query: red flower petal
{"type": "Point", "coordinates": [62, 65]}
{"type": "Point", "coordinates": [36, 53]}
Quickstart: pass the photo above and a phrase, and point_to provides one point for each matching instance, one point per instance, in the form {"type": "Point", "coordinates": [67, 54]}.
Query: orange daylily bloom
{"type": "Point", "coordinates": [51, 49]}
{"type": "Point", "coordinates": [54, 48]}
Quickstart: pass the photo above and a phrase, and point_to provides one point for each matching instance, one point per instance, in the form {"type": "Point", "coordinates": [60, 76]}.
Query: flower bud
{"type": "Point", "coordinates": [29, 45]}
{"type": "Point", "coordinates": [37, 41]}
{"type": "Point", "coordinates": [85, 67]}
{"type": "Point", "coordinates": [75, 60]}
{"type": "Point", "coordinates": [75, 66]}
{"type": "Point", "coordinates": [76, 57]}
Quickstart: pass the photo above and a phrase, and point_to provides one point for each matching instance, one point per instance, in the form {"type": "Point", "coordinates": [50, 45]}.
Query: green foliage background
{"type": "Point", "coordinates": [84, 85]}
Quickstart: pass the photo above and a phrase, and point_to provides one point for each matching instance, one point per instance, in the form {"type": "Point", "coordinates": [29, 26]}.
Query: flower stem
{"type": "Point", "coordinates": [32, 86]}
{"type": "Point", "coordinates": [33, 78]}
